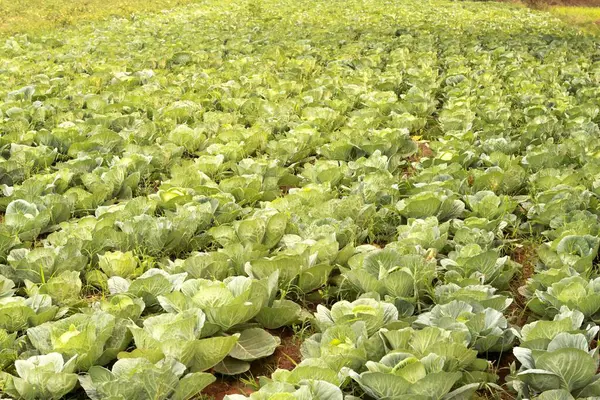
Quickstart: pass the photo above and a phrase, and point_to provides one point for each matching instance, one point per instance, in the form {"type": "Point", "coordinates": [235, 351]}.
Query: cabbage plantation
{"type": "Point", "coordinates": [410, 189]}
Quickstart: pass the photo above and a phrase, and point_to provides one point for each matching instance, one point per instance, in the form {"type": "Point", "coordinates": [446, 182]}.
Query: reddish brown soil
{"type": "Point", "coordinates": [526, 256]}
{"type": "Point", "coordinates": [423, 151]}
{"type": "Point", "coordinates": [286, 356]}
{"type": "Point", "coordinates": [92, 298]}
{"type": "Point", "coordinates": [517, 313]}
{"type": "Point", "coordinates": [285, 189]}
{"type": "Point", "coordinates": [314, 299]}
{"type": "Point", "coordinates": [222, 387]}
{"type": "Point", "coordinates": [503, 369]}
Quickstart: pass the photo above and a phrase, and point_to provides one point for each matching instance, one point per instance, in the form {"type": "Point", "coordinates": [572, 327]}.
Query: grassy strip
{"type": "Point", "coordinates": [585, 18]}
{"type": "Point", "coordinates": [29, 16]}
{"type": "Point", "coordinates": [578, 14]}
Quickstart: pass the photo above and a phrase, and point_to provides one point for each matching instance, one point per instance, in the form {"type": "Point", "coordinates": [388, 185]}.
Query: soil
{"type": "Point", "coordinates": [526, 256]}
{"type": "Point", "coordinates": [423, 150]}
{"type": "Point", "coordinates": [286, 356]}
{"type": "Point", "coordinates": [223, 386]}
{"type": "Point", "coordinates": [503, 370]}
{"type": "Point", "coordinates": [93, 298]}
{"type": "Point", "coordinates": [312, 300]}
{"type": "Point", "coordinates": [517, 312]}
{"type": "Point", "coordinates": [285, 189]}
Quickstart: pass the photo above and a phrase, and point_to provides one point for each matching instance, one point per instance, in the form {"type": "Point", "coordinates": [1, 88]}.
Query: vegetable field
{"type": "Point", "coordinates": [407, 193]}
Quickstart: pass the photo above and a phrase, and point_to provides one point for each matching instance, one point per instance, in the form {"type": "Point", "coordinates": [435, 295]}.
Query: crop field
{"type": "Point", "coordinates": [321, 199]}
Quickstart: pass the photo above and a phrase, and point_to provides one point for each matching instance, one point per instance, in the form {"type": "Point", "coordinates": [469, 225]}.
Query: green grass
{"type": "Point", "coordinates": [585, 17]}
{"type": "Point", "coordinates": [29, 16]}
{"type": "Point", "coordinates": [582, 14]}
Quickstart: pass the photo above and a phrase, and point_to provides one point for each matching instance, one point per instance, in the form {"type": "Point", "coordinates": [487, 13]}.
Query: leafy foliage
{"type": "Point", "coordinates": [175, 186]}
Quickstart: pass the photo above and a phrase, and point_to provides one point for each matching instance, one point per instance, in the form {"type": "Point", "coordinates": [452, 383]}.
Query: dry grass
{"type": "Point", "coordinates": [579, 15]}
{"type": "Point", "coordinates": [586, 18]}
{"type": "Point", "coordinates": [585, 14]}
{"type": "Point", "coordinates": [30, 16]}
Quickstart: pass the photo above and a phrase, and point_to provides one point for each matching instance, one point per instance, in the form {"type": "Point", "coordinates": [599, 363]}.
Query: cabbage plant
{"type": "Point", "coordinates": [209, 265]}
{"type": "Point", "coordinates": [10, 347]}
{"type": "Point", "coordinates": [574, 251]}
{"type": "Point", "coordinates": [375, 314]}
{"type": "Point", "coordinates": [444, 206]}
{"type": "Point", "coordinates": [397, 376]}
{"type": "Point", "coordinates": [574, 292]}
{"type": "Point", "coordinates": [63, 288]}
{"type": "Point", "coordinates": [475, 295]}
{"type": "Point", "coordinates": [148, 286]}
{"type": "Point", "coordinates": [474, 265]}
{"type": "Point", "coordinates": [451, 347]}
{"type": "Point", "coordinates": [565, 363]}
{"type": "Point", "coordinates": [560, 200]}
{"type": "Point", "coordinates": [279, 313]}
{"type": "Point", "coordinates": [226, 304]}
{"type": "Point", "coordinates": [177, 336]}
{"type": "Point", "coordinates": [93, 339]}
{"type": "Point", "coordinates": [386, 272]}
{"type": "Point", "coordinates": [262, 230]}
{"type": "Point", "coordinates": [26, 220]}
{"type": "Point", "coordinates": [428, 363]}
{"type": "Point", "coordinates": [313, 369]}
{"type": "Point", "coordinates": [538, 334]}
{"type": "Point", "coordinates": [118, 263]}
{"type": "Point", "coordinates": [341, 346]}
{"type": "Point", "coordinates": [486, 329]}
{"type": "Point", "coordinates": [19, 313]}
{"type": "Point", "coordinates": [121, 306]}
{"type": "Point", "coordinates": [479, 231]}
{"type": "Point", "coordinates": [306, 390]}
{"type": "Point", "coordinates": [42, 263]}
{"type": "Point", "coordinates": [172, 233]}
{"type": "Point", "coordinates": [295, 270]}
{"type": "Point", "coordinates": [138, 378]}
{"type": "Point", "coordinates": [486, 204]}
{"type": "Point", "coordinates": [41, 377]}
{"type": "Point", "coordinates": [427, 233]}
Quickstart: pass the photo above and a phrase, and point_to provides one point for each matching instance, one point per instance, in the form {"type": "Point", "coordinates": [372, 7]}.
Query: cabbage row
{"type": "Point", "coordinates": [176, 188]}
